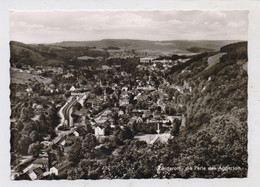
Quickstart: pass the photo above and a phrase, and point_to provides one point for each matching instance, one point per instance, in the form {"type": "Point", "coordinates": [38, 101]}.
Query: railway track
{"type": "Point", "coordinates": [66, 110]}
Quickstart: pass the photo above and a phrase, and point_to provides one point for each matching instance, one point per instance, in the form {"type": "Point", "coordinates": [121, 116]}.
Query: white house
{"type": "Point", "coordinates": [54, 170]}
{"type": "Point", "coordinates": [99, 131]}
{"type": "Point", "coordinates": [58, 170]}
{"type": "Point", "coordinates": [33, 175]}
{"type": "Point", "coordinates": [123, 102]}
{"type": "Point", "coordinates": [68, 75]}
{"type": "Point", "coordinates": [120, 112]}
{"type": "Point", "coordinates": [72, 88]}
{"type": "Point", "coordinates": [63, 142]}
{"type": "Point", "coordinates": [76, 133]}
{"type": "Point", "coordinates": [125, 88]}
{"type": "Point", "coordinates": [29, 89]}
{"type": "Point", "coordinates": [146, 60]}
{"type": "Point", "coordinates": [105, 67]}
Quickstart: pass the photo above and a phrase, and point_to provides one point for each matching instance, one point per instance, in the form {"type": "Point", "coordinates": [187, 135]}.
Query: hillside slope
{"type": "Point", "coordinates": [169, 47]}
{"type": "Point", "coordinates": [63, 52]}
{"type": "Point", "coordinates": [41, 54]}
{"type": "Point", "coordinates": [215, 101]}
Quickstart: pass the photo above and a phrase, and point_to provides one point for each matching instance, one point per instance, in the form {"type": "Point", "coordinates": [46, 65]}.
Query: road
{"type": "Point", "coordinates": [66, 110]}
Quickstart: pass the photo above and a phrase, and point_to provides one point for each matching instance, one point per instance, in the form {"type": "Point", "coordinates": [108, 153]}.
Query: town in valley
{"type": "Point", "coordinates": [86, 103]}
{"type": "Point", "coordinates": [96, 107]}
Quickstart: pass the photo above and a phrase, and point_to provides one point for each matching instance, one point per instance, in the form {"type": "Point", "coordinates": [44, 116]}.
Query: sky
{"type": "Point", "coordinates": [57, 26]}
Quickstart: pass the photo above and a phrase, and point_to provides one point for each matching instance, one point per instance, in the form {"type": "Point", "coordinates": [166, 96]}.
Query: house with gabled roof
{"type": "Point", "coordinates": [32, 175]}
{"type": "Point", "coordinates": [99, 131]}
{"type": "Point", "coordinates": [36, 174]}
{"type": "Point", "coordinates": [60, 168]}
{"type": "Point", "coordinates": [139, 120]}
{"type": "Point", "coordinates": [72, 89]}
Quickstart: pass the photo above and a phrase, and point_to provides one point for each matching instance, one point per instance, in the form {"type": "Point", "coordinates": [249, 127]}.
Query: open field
{"type": "Point", "coordinates": [214, 59]}
{"type": "Point", "coordinates": [23, 77]}
{"type": "Point", "coordinates": [149, 137]}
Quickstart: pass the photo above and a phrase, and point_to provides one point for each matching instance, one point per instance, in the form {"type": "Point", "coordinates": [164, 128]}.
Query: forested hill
{"type": "Point", "coordinates": [222, 83]}
{"type": "Point", "coordinates": [41, 54]}
{"type": "Point", "coordinates": [162, 47]}
{"type": "Point", "coordinates": [149, 44]}
{"type": "Point", "coordinates": [215, 103]}
{"type": "Point", "coordinates": [60, 53]}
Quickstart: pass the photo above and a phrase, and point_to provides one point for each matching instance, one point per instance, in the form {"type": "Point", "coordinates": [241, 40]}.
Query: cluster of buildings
{"type": "Point", "coordinates": [153, 63]}
{"type": "Point", "coordinates": [118, 53]}
{"type": "Point", "coordinates": [130, 100]}
{"type": "Point", "coordinates": [43, 166]}
{"type": "Point", "coordinates": [149, 60]}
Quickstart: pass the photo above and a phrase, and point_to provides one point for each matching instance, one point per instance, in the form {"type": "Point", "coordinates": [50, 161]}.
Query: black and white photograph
{"type": "Point", "coordinates": [145, 94]}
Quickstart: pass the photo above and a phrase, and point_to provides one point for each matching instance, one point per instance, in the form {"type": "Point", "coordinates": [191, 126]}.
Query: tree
{"type": "Point", "coordinates": [126, 133]}
{"type": "Point", "coordinates": [121, 135]}
{"type": "Point", "coordinates": [176, 127]}
{"type": "Point", "coordinates": [98, 91]}
{"type": "Point", "coordinates": [117, 140]}
{"type": "Point", "coordinates": [78, 106]}
{"type": "Point", "coordinates": [109, 90]}
{"type": "Point", "coordinates": [35, 148]}
{"type": "Point", "coordinates": [20, 125]}
{"type": "Point", "coordinates": [117, 130]}
{"type": "Point", "coordinates": [35, 136]}
{"type": "Point", "coordinates": [134, 128]}
{"type": "Point", "coordinates": [67, 94]}
{"type": "Point", "coordinates": [74, 153]}
{"type": "Point", "coordinates": [89, 143]}
{"type": "Point", "coordinates": [24, 144]}
{"type": "Point", "coordinates": [174, 147]}
{"type": "Point", "coordinates": [15, 138]}
{"type": "Point", "coordinates": [108, 130]}
{"type": "Point", "coordinates": [89, 127]}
